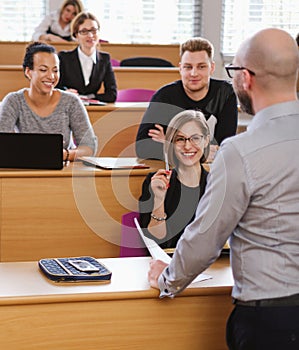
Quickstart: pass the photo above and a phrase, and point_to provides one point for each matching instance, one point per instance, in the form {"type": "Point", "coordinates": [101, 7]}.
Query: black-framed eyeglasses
{"type": "Point", "coordinates": [85, 31]}
{"type": "Point", "coordinates": [230, 70]}
{"type": "Point", "coordinates": [195, 140]}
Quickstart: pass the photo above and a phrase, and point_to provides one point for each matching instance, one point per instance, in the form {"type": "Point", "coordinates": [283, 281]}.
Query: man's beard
{"type": "Point", "coordinates": [245, 102]}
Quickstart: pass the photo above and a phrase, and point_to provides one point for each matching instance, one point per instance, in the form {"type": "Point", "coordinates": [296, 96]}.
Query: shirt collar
{"type": "Point", "coordinates": [274, 111]}
{"type": "Point", "coordinates": [92, 57]}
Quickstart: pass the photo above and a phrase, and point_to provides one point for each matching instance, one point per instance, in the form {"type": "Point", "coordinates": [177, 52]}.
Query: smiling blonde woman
{"type": "Point", "coordinates": [169, 198]}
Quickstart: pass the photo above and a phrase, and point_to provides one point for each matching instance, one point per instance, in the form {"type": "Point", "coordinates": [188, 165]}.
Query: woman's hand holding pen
{"type": "Point", "coordinates": [159, 186]}
{"type": "Point", "coordinates": [160, 183]}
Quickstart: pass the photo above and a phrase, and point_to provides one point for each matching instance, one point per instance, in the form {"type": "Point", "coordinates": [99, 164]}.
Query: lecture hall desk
{"type": "Point", "coordinates": [12, 52]}
{"type": "Point", "coordinates": [68, 212]}
{"type": "Point", "coordinates": [12, 77]}
{"type": "Point", "coordinates": [36, 314]}
{"type": "Point", "coordinates": [116, 126]}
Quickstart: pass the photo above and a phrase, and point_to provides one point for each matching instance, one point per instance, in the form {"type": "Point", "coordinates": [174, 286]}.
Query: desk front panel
{"type": "Point", "coordinates": [65, 216]}
{"type": "Point", "coordinates": [126, 314]}
{"type": "Point", "coordinates": [144, 77]}
{"type": "Point", "coordinates": [169, 52]}
{"type": "Point", "coordinates": [12, 78]}
{"type": "Point", "coordinates": [116, 127]}
{"type": "Point", "coordinates": [13, 52]}
{"type": "Point", "coordinates": [196, 322]}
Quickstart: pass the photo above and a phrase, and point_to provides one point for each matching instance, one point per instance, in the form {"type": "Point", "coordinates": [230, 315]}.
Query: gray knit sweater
{"type": "Point", "coordinates": [68, 118]}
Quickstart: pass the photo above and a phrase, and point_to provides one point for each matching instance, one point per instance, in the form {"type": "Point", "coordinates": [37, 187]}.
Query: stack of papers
{"type": "Point", "coordinates": [91, 102]}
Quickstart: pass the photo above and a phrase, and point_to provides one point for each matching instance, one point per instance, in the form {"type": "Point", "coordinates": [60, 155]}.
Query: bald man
{"type": "Point", "coordinates": [252, 197]}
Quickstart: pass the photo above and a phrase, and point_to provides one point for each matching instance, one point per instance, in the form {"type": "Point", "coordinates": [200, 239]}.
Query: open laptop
{"type": "Point", "coordinates": [31, 151]}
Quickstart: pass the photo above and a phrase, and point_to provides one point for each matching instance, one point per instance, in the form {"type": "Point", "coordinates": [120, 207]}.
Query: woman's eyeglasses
{"type": "Point", "coordinates": [195, 140]}
{"type": "Point", "coordinates": [84, 31]}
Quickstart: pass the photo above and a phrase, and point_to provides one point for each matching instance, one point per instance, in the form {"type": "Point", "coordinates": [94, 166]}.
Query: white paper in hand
{"type": "Point", "coordinates": [158, 253]}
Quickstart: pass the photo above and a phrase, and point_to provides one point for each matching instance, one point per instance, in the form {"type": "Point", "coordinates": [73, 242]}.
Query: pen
{"type": "Point", "coordinates": [166, 167]}
{"type": "Point", "coordinates": [166, 162]}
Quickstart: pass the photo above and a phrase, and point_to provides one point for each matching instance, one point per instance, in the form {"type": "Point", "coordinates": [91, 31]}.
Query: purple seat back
{"type": "Point", "coordinates": [131, 242]}
{"type": "Point", "coordinates": [134, 95]}
{"type": "Point", "coordinates": [114, 62]}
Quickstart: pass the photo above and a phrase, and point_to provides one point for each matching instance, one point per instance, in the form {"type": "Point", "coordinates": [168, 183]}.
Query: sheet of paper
{"type": "Point", "coordinates": [158, 253]}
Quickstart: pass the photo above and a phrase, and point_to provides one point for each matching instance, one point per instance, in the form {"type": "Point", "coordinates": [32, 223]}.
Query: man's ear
{"type": "Point", "coordinates": [247, 80]}
{"type": "Point", "coordinates": [212, 67]}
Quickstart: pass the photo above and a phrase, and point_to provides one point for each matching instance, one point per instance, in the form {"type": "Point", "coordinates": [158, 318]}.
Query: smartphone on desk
{"type": "Point", "coordinates": [83, 265]}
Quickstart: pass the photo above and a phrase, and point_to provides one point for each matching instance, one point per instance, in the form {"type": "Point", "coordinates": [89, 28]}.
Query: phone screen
{"type": "Point", "coordinates": [83, 265]}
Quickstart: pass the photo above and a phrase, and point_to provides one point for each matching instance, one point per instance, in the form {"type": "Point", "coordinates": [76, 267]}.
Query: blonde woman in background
{"type": "Point", "coordinates": [56, 25]}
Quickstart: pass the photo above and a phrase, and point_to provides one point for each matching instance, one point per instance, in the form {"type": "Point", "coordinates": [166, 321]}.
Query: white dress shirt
{"type": "Point", "coordinates": [87, 64]}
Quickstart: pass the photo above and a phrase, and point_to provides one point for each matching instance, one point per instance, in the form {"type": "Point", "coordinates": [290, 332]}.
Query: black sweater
{"type": "Point", "coordinates": [180, 206]}
{"type": "Point", "coordinates": [171, 99]}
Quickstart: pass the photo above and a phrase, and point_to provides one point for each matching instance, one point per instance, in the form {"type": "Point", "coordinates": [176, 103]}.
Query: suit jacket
{"type": "Point", "coordinates": [71, 75]}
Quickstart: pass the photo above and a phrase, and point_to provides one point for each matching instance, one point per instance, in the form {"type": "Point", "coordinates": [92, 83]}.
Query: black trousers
{"type": "Point", "coordinates": [263, 328]}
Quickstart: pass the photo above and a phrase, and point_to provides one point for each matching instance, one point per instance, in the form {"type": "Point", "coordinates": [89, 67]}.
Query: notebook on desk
{"type": "Point", "coordinates": [92, 102]}
{"type": "Point", "coordinates": [111, 163]}
{"type": "Point", "coordinates": [31, 151]}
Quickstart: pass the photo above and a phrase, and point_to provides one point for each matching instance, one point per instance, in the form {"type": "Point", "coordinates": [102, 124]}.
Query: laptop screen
{"type": "Point", "coordinates": [31, 151]}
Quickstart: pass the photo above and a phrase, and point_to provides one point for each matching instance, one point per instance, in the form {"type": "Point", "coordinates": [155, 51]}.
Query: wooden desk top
{"type": "Point", "coordinates": [78, 169]}
{"type": "Point", "coordinates": [23, 283]}
{"type": "Point", "coordinates": [120, 105]}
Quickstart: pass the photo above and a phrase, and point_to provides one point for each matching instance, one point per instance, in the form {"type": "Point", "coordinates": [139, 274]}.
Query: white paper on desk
{"type": "Point", "coordinates": [158, 253]}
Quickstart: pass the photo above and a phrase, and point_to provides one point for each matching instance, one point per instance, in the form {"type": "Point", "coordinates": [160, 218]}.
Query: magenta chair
{"type": "Point", "coordinates": [114, 62]}
{"type": "Point", "coordinates": [145, 62]}
{"type": "Point", "coordinates": [131, 242]}
{"type": "Point", "coordinates": [134, 95]}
